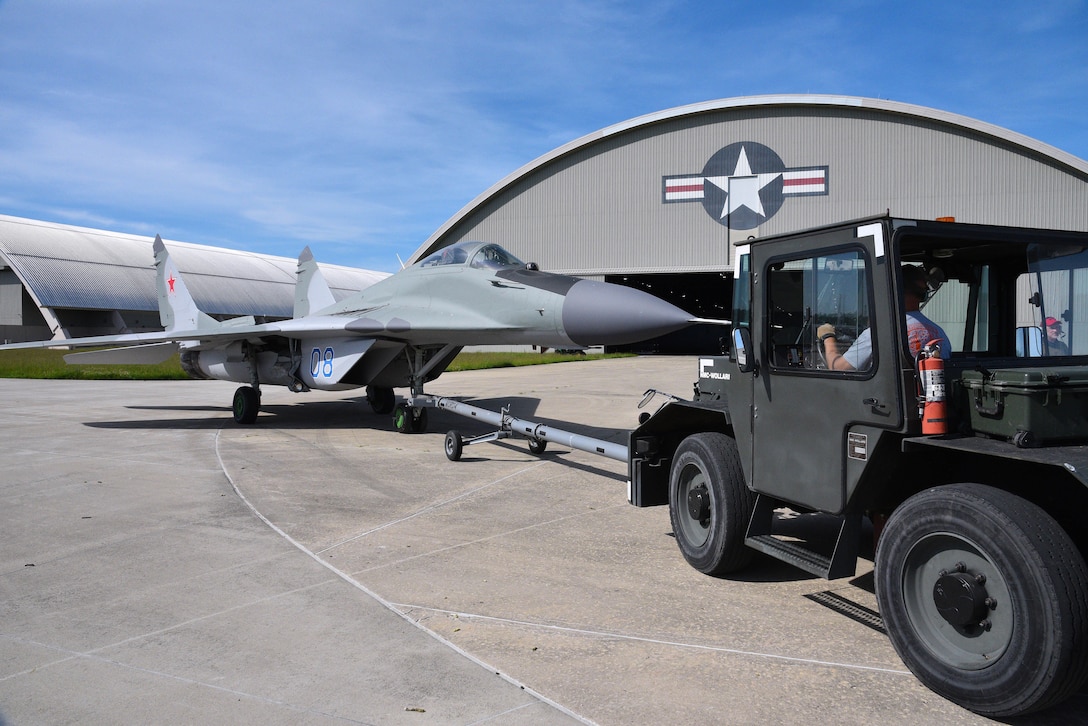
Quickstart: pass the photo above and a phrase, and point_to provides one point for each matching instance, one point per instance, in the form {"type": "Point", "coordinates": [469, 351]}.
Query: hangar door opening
{"type": "Point", "coordinates": [703, 294]}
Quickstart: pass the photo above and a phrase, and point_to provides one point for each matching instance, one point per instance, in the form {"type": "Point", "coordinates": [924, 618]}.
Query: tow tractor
{"type": "Point", "coordinates": [966, 459]}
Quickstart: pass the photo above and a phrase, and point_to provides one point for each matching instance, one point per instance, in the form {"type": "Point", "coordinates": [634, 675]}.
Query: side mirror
{"type": "Point", "coordinates": [742, 350]}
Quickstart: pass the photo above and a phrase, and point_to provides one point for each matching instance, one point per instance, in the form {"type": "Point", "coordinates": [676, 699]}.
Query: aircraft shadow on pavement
{"type": "Point", "coordinates": [353, 413]}
{"type": "Point", "coordinates": [178, 408]}
{"type": "Point", "coordinates": [350, 413]}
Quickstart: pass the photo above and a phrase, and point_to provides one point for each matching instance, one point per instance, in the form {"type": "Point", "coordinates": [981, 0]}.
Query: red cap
{"type": "Point", "coordinates": [1052, 321]}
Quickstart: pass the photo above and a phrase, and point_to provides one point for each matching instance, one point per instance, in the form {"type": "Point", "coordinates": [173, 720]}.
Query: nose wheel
{"type": "Point", "coordinates": [409, 420]}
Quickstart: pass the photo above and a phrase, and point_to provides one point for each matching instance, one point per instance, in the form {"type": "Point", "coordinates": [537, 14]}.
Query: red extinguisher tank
{"type": "Point", "coordinates": [933, 407]}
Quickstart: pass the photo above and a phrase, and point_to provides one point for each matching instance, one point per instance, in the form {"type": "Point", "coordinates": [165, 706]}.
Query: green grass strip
{"type": "Point", "coordinates": [44, 363]}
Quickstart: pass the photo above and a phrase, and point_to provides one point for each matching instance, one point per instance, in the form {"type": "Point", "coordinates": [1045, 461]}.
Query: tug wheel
{"type": "Point", "coordinates": [985, 598]}
{"type": "Point", "coordinates": [710, 503]}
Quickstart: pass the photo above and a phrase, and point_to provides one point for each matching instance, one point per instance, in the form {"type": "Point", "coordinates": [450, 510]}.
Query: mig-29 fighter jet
{"type": "Point", "coordinates": [402, 331]}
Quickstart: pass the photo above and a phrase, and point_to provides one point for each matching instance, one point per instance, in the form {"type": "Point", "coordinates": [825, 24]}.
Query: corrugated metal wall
{"type": "Point", "coordinates": [599, 209]}
{"type": "Point", "coordinates": [75, 268]}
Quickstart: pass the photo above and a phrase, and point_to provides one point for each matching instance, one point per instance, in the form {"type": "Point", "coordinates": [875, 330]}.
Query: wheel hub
{"type": "Point", "coordinates": [961, 597]}
{"type": "Point", "coordinates": [699, 503]}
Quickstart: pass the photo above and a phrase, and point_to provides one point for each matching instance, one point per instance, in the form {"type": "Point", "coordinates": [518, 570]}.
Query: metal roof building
{"type": "Point", "coordinates": [670, 192]}
{"type": "Point", "coordinates": [61, 281]}
{"type": "Point", "coordinates": [656, 202]}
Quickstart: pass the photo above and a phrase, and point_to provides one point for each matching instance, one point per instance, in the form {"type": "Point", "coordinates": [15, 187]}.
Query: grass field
{"type": "Point", "coordinates": [42, 363]}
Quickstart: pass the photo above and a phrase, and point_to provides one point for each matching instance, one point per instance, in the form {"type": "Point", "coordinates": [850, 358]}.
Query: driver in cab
{"type": "Point", "coordinates": [920, 329]}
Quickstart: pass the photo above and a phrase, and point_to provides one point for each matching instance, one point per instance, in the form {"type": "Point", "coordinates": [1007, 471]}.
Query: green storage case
{"type": "Point", "coordinates": [1029, 406]}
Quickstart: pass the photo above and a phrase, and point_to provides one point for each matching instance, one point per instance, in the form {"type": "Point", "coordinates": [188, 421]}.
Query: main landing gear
{"type": "Point", "coordinates": [247, 404]}
{"type": "Point", "coordinates": [247, 399]}
{"type": "Point", "coordinates": [382, 400]}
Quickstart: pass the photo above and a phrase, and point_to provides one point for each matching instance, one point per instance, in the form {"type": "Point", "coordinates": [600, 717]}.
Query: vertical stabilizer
{"type": "Point", "coordinates": [177, 309]}
{"type": "Point", "coordinates": [312, 292]}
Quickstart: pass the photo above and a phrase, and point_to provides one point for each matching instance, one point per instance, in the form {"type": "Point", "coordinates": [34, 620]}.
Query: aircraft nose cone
{"type": "Point", "coordinates": [600, 313]}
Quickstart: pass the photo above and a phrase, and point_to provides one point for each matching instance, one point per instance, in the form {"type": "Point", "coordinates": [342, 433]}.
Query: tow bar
{"type": "Point", "coordinates": [509, 426]}
{"type": "Point", "coordinates": [537, 434]}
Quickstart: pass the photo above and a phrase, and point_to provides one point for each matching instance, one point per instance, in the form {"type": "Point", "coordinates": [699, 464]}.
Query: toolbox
{"type": "Point", "coordinates": [1028, 406]}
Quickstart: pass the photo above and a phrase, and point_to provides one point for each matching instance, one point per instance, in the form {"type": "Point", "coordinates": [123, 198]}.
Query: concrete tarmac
{"type": "Point", "coordinates": [159, 563]}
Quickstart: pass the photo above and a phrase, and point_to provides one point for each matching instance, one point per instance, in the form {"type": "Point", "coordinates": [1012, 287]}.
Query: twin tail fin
{"type": "Point", "coordinates": [177, 309]}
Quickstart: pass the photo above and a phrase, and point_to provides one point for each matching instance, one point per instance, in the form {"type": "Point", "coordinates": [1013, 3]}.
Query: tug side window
{"type": "Point", "coordinates": [806, 293]}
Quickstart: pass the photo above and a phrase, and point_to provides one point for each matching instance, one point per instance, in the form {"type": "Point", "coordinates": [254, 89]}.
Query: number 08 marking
{"type": "Point", "coordinates": [321, 363]}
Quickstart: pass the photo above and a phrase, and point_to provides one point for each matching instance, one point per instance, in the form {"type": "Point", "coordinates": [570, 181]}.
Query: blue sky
{"type": "Point", "coordinates": [359, 127]}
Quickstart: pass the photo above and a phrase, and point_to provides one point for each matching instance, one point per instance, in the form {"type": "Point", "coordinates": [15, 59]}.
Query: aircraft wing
{"type": "Point", "coordinates": [135, 340]}
{"type": "Point", "coordinates": [149, 354]}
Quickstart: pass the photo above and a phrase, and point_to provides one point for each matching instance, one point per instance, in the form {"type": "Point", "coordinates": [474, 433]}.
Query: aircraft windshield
{"type": "Point", "coordinates": [488, 257]}
{"type": "Point", "coordinates": [493, 257]}
{"type": "Point", "coordinates": [453, 255]}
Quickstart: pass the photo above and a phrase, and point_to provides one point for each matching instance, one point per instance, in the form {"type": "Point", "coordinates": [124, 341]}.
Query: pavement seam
{"type": "Point", "coordinates": [427, 509]}
{"type": "Point", "coordinates": [497, 535]}
{"type": "Point", "coordinates": [385, 603]}
{"type": "Point", "coordinates": [646, 639]}
{"type": "Point", "coordinates": [89, 655]}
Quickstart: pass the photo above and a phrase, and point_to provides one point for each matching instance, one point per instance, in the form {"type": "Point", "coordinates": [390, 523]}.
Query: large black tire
{"type": "Point", "coordinates": [709, 504]}
{"type": "Point", "coordinates": [247, 404]}
{"type": "Point", "coordinates": [381, 399]}
{"type": "Point", "coordinates": [985, 598]}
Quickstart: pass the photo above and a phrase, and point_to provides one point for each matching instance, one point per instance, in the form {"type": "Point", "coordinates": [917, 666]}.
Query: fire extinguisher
{"type": "Point", "coordinates": [931, 406]}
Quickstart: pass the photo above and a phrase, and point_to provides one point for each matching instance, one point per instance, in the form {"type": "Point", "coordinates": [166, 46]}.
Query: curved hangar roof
{"type": "Point", "coordinates": [672, 190]}
{"type": "Point", "coordinates": [74, 267]}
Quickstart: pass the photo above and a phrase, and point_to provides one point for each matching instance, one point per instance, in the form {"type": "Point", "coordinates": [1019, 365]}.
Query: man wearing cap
{"type": "Point", "coordinates": [1054, 346]}
{"type": "Point", "coordinates": [920, 329]}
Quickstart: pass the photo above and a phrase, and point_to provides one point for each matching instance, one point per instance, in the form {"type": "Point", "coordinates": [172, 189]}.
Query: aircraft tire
{"type": "Point", "coordinates": [537, 446]}
{"type": "Point", "coordinates": [247, 404]}
{"type": "Point", "coordinates": [455, 445]}
{"type": "Point", "coordinates": [419, 421]}
{"type": "Point", "coordinates": [402, 418]}
{"type": "Point", "coordinates": [382, 400]}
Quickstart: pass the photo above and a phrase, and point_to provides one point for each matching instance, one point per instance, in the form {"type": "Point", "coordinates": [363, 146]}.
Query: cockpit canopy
{"type": "Point", "coordinates": [485, 255]}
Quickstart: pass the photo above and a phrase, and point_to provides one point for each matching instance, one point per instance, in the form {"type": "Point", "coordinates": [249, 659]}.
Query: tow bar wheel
{"type": "Point", "coordinates": [985, 598]}
{"type": "Point", "coordinates": [454, 446]}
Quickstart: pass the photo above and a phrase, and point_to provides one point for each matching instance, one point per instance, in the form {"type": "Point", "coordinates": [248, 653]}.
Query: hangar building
{"type": "Point", "coordinates": [58, 281]}
{"type": "Point", "coordinates": [658, 201]}
{"type": "Point", "coordinates": [655, 202]}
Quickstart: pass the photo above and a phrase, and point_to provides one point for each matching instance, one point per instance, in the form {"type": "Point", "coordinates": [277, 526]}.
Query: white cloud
{"type": "Point", "coordinates": [366, 125]}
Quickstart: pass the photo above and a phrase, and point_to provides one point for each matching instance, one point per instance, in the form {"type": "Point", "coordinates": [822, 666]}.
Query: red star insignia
{"type": "Point", "coordinates": [171, 282]}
